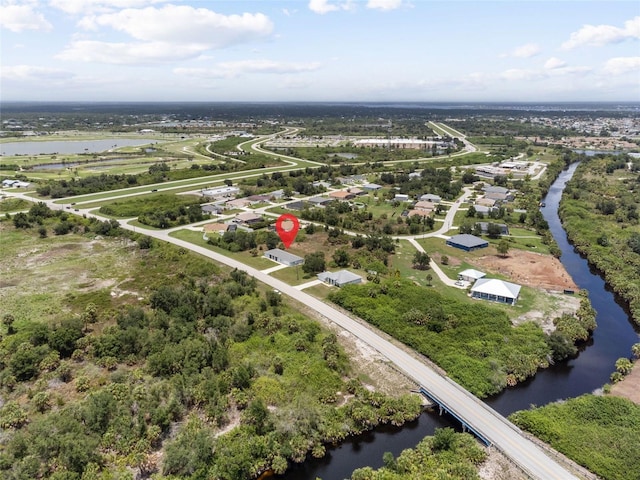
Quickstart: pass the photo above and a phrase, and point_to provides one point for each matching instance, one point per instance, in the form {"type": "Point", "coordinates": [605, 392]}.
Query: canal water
{"type": "Point", "coordinates": [584, 374]}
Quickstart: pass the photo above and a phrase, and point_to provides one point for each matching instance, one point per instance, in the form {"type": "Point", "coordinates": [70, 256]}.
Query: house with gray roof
{"type": "Point", "coordinates": [467, 242]}
{"type": "Point", "coordinates": [339, 278]}
{"type": "Point", "coordinates": [496, 290]}
{"type": "Point", "coordinates": [430, 197]}
{"type": "Point", "coordinates": [282, 257]}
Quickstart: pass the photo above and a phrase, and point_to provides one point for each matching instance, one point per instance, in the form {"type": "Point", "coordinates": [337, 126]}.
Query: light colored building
{"type": "Point", "coordinates": [220, 192]}
{"type": "Point", "coordinates": [470, 275]}
{"type": "Point", "coordinates": [496, 290]}
{"type": "Point", "coordinates": [282, 257]}
{"type": "Point", "coordinates": [339, 278]}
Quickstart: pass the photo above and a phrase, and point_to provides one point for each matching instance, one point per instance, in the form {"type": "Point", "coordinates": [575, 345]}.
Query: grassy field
{"type": "Point", "coordinates": [194, 237]}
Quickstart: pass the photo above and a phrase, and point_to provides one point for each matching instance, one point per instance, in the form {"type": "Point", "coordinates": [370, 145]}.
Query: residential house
{"type": "Point", "coordinates": [430, 197]}
{"type": "Point", "coordinates": [342, 195]}
{"type": "Point", "coordinates": [372, 187]}
{"type": "Point", "coordinates": [340, 278]}
{"type": "Point", "coordinates": [247, 218]}
{"type": "Point", "coordinates": [282, 257]}
{"type": "Point", "coordinates": [496, 290]}
{"type": "Point", "coordinates": [484, 227]}
{"type": "Point", "coordinates": [467, 242]}
{"type": "Point", "coordinates": [401, 197]}
{"type": "Point", "coordinates": [470, 275]}
{"type": "Point", "coordinates": [211, 209]}
{"type": "Point", "coordinates": [320, 201]}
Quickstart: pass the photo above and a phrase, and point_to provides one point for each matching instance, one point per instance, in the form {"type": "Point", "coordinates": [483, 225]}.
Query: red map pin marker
{"type": "Point", "coordinates": [287, 227]}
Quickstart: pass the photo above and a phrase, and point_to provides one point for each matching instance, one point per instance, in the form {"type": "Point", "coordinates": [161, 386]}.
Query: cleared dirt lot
{"type": "Point", "coordinates": [530, 269]}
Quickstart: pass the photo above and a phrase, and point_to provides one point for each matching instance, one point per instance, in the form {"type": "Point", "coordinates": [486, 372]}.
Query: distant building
{"type": "Point", "coordinates": [340, 278]}
{"type": "Point", "coordinates": [212, 209]}
{"type": "Point", "coordinates": [401, 197]}
{"type": "Point", "coordinates": [320, 201]}
{"type": "Point", "coordinates": [430, 197]}
{"type": "Point", "coordinates": [218, 228]}
{"type": "Point", "coordinates": [342, 195]}
{"type": "Point", "coordinates": [467, 242]}
{"type": "Point", "coordinates": [372, 187]}
{"type": "Point", "coordinates": [470, 275]}
{"type": "Point", "coordinates": [496, 290]}
{"type": "Point", "coordinates": [220, 192]}
{"type": "Point", "coordinates": [14, 184]}
{"type": "Point", "coordinates": [247, 218]}
{"type": "Point", "coordinates": [484, 227]}
{"type": "Point", "coordinates": [284, 258]}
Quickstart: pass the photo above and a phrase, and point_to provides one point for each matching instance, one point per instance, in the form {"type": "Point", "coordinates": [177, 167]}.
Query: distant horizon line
{"type": "Point", "coordinates": [341, 102]}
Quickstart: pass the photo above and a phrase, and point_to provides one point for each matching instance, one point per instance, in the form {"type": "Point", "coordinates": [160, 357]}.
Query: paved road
{"type": "Point", "coordinates": [495, 428]}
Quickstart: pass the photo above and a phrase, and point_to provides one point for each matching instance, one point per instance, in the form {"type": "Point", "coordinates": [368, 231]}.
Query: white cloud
{"type": "Point", "coordinates": [18, 17]}
{"type": "Point", "coordinates": [235, 69]}
{"type": "Point", "coordinates": [621, 65]}
{"type": "Point", "coordinates": [384, 4]}
{"type": "Point", "coordinates": [84, 7]}
{"type": "Point", "coordinates": [523, 51]}
{"type": "Point", "coordinates": [554, 63]}
{"type": "Point", "coordinates": [128, 53]}
{"type": "Point", "coordinates": [184, 25]}
{"type": "Point", "coordinates": [599, 35]}
{"type": "Point", "coordinates": [29, 73]}
{"type": "Point", "coordinates": [326, 6]}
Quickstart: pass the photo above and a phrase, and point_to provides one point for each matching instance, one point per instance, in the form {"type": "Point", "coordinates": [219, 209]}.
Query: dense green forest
{"type": "Point", "coordinates": [600, 210]}
{"type": "Point", "coordinates": [151, 385]}
{"type": "Point", "coordinates": [600, 433]}
{"type": "Point", "coordinates": [475, 343]}
{"type": "Point", "coordinates": [446, 455]}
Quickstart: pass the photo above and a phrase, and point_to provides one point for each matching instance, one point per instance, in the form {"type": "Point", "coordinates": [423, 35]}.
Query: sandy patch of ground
{"type": "Point", "coordinates": [530, 269]}
{"type": "Point", "coordinates": [629, 387]}
{"type": "Point", "coordinates": [498, 467]}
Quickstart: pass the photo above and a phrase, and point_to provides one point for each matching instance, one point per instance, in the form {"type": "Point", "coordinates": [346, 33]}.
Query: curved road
{"type": "Point", "coordinates": [495, 428]}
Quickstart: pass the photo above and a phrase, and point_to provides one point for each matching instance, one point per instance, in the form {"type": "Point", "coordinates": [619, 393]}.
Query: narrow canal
{"type": "Point", "coordinates": [584, 374]}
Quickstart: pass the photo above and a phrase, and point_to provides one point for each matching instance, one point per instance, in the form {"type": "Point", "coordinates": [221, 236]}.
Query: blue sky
{"type": "Point", "coordinates": [319, 50]}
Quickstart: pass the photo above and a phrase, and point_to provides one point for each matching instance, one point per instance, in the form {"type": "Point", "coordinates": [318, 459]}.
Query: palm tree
{"type": "Point", "coordinates": [624, 365]}
{"type": "Point", "coordinates": [635, 349]}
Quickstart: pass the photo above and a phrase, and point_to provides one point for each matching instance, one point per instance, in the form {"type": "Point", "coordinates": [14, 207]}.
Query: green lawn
{"type": "Point", "coordinates": [244, 257]}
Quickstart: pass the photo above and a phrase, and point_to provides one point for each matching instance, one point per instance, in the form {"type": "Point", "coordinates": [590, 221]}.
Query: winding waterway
{"type": "Point", "coordinates": [584, 374]}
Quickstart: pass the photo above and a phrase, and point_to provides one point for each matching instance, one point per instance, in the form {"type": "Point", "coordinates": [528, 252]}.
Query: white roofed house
{"type": "Point", "coordinates": [339, 278]}
{"type": "Point", "coordinates": [470, 275]}
{"type": "Point", "coordinates": [496, 290]}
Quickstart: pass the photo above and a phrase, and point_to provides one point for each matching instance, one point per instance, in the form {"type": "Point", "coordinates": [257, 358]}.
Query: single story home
{"type": "Point", "coordinates": [499, 197]}
{"type": "Point", "coordinates": [484, 227]}
{"type": "Point", "coordinates": [239, 203]}
{"type": "Point", "coordinates": [496, 290]}
{"type": "Point", "coordinates": [259, 198]}
{"type": "Point", "coordinates": [421, 212]}
{"type": "Point", "coordinates": [487, 202]}
{"type": "Point", "coordinates": [212, 209]}
{"type": "Point", "coordinates": [320, 201]}
{"type": "Point", "coordinates": [495, 189]}
{"type": "Point", "coordinates": [470, 275]}
{"type": "Point", "coordinates": [467, 242]}
{"type": "Point", "coordinates": [343, 195]}
{"type": "Point", "coordinates": [430, 197]}
{"type": "Point", "coordinates": [424, 205]}
{"type": "Point", "coordinates": [282, 257]}
{"type": "Point", "coordinates": [295, 205]}
{"type": "Point", "coordinates": [218, 228]}
{"type": "Point", "coordinates": [339, 278]}
{"type": "Point", "coordinates": [372, 187]}
{"type": "Point", "coordinates": [401, 197]}
{"type": "Point", "coordinates": [321, 183]}
{"type": "Point", "coordinates": [247, 218]}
